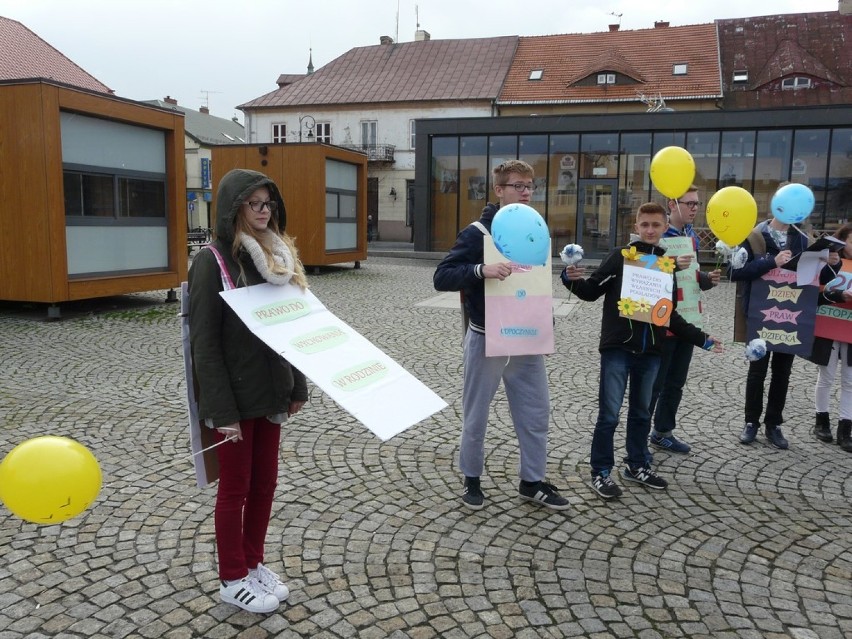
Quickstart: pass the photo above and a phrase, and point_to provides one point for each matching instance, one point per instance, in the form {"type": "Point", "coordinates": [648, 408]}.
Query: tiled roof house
{"type": "Point", "coordinates": [370, 97]}
{"type": "Point", "coordinates": [614, 71]}
{"type": "Point", "coordinates": [799, 59]}
{"type": "Point", "coordinates": [24, 55]}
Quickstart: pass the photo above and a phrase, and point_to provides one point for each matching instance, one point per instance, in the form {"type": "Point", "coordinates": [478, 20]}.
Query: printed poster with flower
{"type": "Point", "coordinates": [646, 288]}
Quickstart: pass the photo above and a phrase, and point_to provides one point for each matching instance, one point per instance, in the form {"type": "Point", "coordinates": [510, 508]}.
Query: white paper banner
{"type": "Point", "coordinates": [362, 379]}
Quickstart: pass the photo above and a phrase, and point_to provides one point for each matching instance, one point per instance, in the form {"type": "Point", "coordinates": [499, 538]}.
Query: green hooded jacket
{"type": "Point", "coordinates": [238, 376]}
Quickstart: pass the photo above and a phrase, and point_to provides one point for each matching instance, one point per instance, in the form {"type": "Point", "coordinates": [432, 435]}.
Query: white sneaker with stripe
{"type": "Point", "coordinates": [249, 594]}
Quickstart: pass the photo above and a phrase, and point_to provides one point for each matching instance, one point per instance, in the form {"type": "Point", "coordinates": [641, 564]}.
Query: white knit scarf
{"type": "Point", "coordinates": [281, 255]}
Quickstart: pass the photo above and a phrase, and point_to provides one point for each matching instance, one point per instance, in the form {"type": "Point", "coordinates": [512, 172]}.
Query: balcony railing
{"type": "Point", "coordinates": [375, 152]}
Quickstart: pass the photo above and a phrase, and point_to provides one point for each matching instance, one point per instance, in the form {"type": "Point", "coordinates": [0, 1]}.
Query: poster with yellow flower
{"type": "Point", "coordinates": [646, 287]}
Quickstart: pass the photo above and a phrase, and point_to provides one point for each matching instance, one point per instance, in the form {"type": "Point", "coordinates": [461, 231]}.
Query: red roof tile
{"type": "Point", "coordinates": [24, 55]}
{"type": "Point", "coordinates": [470, 69]}
{"type": "Point", "coordinates": [646, 55]}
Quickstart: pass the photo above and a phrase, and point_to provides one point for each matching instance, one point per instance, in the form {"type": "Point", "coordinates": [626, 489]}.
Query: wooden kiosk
{"type": "Point", "coordinates": [325, 194]}
{"type": "Point", "coordinates": [92, 194]}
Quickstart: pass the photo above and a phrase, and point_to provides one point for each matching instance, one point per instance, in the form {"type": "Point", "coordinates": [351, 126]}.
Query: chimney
{"type": "Point", "coordinates": [614, 27]}
{"type": "Point", "coordinates": [420, 35]}
{"type": "Point", "coordinates": [844, 7]}
{"type": "Point", "coordinates": [385, 40]}
{"type": "Point", "coordinates": [170, 100]}
{"type": "Point", "coordinates": [204, 110]}
{"type": "Point", "coordinates": [661, 24]}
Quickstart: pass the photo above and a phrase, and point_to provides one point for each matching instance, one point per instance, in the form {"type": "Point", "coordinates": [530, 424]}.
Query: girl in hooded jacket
{"type": "Point", "coordinates": [245, 389]}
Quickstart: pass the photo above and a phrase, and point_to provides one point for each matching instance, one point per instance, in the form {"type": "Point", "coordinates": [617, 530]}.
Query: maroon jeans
{"type": "Point", "coordinates": [248, 473]}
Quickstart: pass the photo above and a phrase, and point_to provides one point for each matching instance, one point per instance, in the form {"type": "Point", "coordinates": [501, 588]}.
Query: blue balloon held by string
{"type": "Point", "coordinates": [521, 235]}
{"type": "Point", "coordinates": [792, 203]}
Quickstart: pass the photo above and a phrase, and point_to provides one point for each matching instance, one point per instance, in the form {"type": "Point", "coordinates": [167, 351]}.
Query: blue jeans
{"type": "Point", "coordinates": [617, 367]}
{"type": "Point", "coordinates": [668, 387]}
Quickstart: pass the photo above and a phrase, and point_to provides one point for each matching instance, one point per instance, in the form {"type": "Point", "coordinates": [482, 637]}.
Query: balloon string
{"type": "Point", "coordinates": [183, 460]}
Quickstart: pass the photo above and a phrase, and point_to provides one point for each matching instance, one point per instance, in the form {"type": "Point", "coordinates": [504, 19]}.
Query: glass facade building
{"type": "Point", "coordinates": [593, 171]}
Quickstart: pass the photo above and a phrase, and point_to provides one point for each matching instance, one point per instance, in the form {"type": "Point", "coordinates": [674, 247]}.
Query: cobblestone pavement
{"type": "Point", "coordinates": [747, 542]}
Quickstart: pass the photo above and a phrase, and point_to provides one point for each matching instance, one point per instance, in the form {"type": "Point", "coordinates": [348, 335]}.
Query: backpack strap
{"type": "Point", "coordinates": [757, 243]}
{"type": "Point", "coordinates": [227, 282]}
{"type": "Point", "coordinates": [481, 227]}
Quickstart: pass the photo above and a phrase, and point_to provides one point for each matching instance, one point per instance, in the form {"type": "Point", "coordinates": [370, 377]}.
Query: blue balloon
{"type": "Point", "coordinates": [792, 203]}
{"type": "Point", "coordinates": [521, 235]}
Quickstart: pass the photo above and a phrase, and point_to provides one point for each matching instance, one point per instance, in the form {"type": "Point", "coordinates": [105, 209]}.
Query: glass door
{"type": "Point", "coordinates": [596, 207]}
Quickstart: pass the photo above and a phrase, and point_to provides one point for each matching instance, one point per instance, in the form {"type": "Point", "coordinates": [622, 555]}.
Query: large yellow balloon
{"type": "Point", "coordinates": [672, 171]}
{"type": "Point", "coordinates": [731, 214]}
{"type": "Point", "coordinates": [46, 480]}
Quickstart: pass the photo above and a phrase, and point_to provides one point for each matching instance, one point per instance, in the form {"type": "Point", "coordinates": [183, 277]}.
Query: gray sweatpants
{"type": "Point", "coordinates": [525, 379]}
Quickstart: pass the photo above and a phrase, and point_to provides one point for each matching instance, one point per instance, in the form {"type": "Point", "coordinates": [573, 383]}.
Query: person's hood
{"type": "Point", "coordinates": [649, 249]}
{"type": "Point", "coordinates": [234, 188]}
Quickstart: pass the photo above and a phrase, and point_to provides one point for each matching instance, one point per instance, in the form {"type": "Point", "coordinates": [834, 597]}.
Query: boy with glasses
{"type": "Point", "coordinates": [524, 376]}
{"type": "Point", "coordinates": [676, 353]}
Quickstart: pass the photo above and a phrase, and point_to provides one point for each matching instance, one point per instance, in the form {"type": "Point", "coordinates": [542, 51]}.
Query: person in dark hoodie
{"type": "Point", "coordinates": [246, 390]}
{"type": "Point", "coordinates": [524, 376]}
{"type": "Point", "coordinates": [771, 244]}
{"type": "Point", "coordinates": [630, 350]}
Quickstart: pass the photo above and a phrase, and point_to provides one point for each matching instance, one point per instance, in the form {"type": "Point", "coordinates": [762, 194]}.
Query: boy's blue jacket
{"type": "Point", "coordinates": [620, 332]}
{"type": "Point", "coordinates": [461, 269]}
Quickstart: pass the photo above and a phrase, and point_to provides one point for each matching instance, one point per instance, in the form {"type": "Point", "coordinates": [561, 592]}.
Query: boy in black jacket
{"type": "Point", "coordinates": [629, 350]}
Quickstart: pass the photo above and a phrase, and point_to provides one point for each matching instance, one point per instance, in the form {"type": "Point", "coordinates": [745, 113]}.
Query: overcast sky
{"type": "Point", "coordinates": [221, 54]}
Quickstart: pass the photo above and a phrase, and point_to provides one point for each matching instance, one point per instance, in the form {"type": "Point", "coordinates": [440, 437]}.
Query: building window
{"type": "Point", "coordinates": [369, 133]}
{"type": "Point", "coordinates": [796, 82]}
{"type": "Point", "coordinates": [91, 194]}
{"type": "Point", "coordinates": [323, 131]}
{"type": "Point", "coordinates": [279, 133]}
{"type": "Point", "coordinates": [411, 136]}
{"type": "Point", "coordinates": [679, 68]}
{"type": "Point", "coordinates": [606, 78]}
{"type": "Point", "coordinates": [740, 77]}
{"type": "Point", "coordinates": [536, 74]}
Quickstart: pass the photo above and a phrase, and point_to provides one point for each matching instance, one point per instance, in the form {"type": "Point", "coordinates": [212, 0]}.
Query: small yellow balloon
{"type": "Point", "coordinates": [672, 171]}
{"type": "Point", "coordinates": [731, 214]}
{"type": "Point", "coordinates": [47, 480]}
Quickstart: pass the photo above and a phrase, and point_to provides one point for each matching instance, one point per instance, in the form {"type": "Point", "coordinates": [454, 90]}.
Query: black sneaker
{"type": "Point", "coordinates": [749, 433]}
{"type": "Point", "coordinates": [603, 485]}
{"type": "Point", "coordinates": [542, 493]}
{"type": "Point", "coordinates": [472, 496]}
{"type": "Point", "coordinates": [775, 437]}
{"type": "Point", "coordinates": [645, 476]}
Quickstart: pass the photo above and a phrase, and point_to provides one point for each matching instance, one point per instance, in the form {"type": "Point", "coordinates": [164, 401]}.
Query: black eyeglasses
{"type": "Point", "coordinates": [520, 187]}
{"type": "Point", "coordinates": [693, 204]}
{"type": "Point", "coordinates": [257, 207]}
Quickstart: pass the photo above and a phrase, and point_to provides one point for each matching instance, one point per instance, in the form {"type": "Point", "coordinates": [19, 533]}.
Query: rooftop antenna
{"type": "Point", "coordinates": [417, 15]}
{"type": "Point", "coordinates": [397, 22]}
{"type": "Point", "coordinates": [205, 95]}
{"type": "Point", "coordinates": [617, 15]}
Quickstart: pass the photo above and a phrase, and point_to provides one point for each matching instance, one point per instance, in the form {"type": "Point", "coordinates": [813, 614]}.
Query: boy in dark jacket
{"type": "Point", "coordinates": [629, 350]}
{"type": "Point", "coordinates": [524, 376]}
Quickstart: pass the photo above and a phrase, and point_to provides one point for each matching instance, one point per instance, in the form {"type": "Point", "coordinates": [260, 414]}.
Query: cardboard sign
{"type": "Point", "coordinates": [688, 291]}
{"type": "Point", "coordinates": [646, 288]}
{"type": "Point", "coordinates": [206, 463]}
{"type": "Point", "coordinates": [518, 310]}
{"type": "Point", "coordinates": [362, 379]}
{"type": "Point", "coordinates": [834, 321]}
{"type": "Point", "coordinates": [782, 312]}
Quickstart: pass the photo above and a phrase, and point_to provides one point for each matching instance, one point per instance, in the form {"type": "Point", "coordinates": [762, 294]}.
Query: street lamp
{"type": "Point", "coordinates": [307, 122]}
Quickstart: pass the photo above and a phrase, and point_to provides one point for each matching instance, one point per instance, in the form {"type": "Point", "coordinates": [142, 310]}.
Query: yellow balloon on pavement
{"type": "Point", "coordinates": [672, 171]}
{"type": "Point", "coordinates": [46, 480]}
{"type": "Point", "coordinates": [731, 214]}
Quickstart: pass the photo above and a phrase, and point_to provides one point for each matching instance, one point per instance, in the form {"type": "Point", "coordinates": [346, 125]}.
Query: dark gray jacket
{"type": "Point", "coordinates": [239, 377]}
